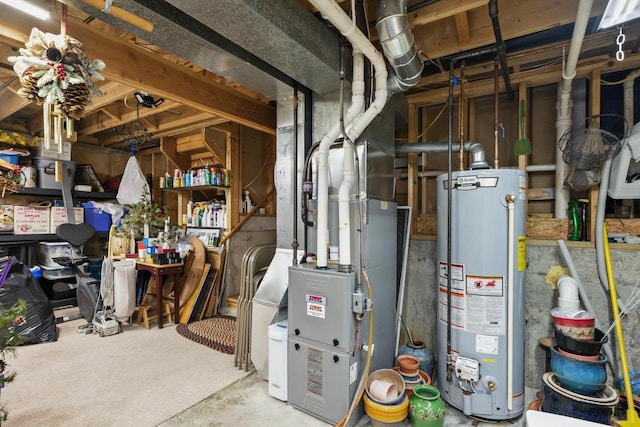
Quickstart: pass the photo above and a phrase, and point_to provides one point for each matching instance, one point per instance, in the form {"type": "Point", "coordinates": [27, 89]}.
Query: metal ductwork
{"type": "Point", "coordinates": [478, 159]}
{"type": "Point", "coordinates": [266, 46]}
{"type": "Point", "coordinates": [398, 45]}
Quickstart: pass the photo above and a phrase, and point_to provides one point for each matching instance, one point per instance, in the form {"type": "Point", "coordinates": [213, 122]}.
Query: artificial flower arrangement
{"type": "Point", "coordinates": [54, 69]}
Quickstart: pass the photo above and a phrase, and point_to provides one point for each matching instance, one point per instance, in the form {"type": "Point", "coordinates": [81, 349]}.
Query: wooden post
{"type": "Point", "coordinates": [594, 109]}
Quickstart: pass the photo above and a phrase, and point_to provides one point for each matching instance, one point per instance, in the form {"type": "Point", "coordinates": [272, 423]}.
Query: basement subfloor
{"type": "Point", "coordinates": [248, 403]}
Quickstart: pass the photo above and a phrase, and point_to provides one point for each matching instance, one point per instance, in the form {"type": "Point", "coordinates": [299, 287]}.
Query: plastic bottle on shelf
{"type": "Point", "coordinates": [226, 177]}
{"type": "Point", "coordinates": [189, 213]}
{"type": "Point", "coordinates": [246, 205]}
{"type": "Point", "coordinates": [223, 216]}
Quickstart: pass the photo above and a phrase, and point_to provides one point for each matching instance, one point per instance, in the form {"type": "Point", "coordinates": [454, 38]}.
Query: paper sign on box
{"type": "Point", "coordinates": [31, 220]}
{"type": "Point", "coordinates": [59, 216]}
{"type": "Point", "coordinates": [6, 218]}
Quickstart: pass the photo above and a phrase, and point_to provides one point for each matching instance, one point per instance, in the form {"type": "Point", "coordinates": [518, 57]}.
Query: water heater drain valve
{"type": "Point", "coordinates": [467, 369]}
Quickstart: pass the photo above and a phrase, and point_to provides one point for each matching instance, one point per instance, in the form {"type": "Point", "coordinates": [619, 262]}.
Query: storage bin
{"type": "Point", "coordinates": [99, 219]}
{"type": "Point", "coordinates": [46, 251]}
{"type": "Point", "coordinates": [13, 159]}
{"type": "Point", "coordinates": [47, 172]}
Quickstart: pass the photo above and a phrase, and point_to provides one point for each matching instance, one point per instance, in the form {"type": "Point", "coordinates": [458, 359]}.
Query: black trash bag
{"type": "Point", "coordinates": [40, 324]}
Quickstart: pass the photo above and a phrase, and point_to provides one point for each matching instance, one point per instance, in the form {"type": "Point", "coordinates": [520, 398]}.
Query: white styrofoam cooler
{"type": "Point", "coordinates": [278, 360]}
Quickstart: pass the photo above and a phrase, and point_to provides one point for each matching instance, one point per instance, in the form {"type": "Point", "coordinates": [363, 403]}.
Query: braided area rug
{"type": "Point", "coordinates": [218, 332]}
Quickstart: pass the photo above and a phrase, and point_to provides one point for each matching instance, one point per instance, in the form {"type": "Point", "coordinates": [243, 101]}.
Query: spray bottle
{"type": "Point", "coordinates": [574, 221]}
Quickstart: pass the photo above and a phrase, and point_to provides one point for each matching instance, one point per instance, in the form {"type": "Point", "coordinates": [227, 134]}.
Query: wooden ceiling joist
{"type": "Point", "coordinates": [138, 68]}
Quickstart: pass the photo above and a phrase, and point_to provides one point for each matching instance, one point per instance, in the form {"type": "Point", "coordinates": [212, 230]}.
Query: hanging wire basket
{"type": "Point", "coordinates": [586, 147]}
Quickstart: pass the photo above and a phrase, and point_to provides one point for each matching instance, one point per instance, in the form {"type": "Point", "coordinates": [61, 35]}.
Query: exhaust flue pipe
{"type": "Point", "coordinates": [478, 159]}
{"type": "Point", "coordinates": [398, 45]}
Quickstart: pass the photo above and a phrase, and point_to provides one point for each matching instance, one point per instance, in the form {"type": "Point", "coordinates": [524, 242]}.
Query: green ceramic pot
{"type": "Point", "coordinates": [426, 407]}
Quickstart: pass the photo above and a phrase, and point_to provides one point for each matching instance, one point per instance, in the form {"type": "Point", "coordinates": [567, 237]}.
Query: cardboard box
{"type": "Point", "coordinates": [59, 216]}
{"type": "Point", "coordinates": [52, 153]}
{"type": "Point", "coordinates": [6, 218]}
{"type": "Point", "coordinates": [31, 220]}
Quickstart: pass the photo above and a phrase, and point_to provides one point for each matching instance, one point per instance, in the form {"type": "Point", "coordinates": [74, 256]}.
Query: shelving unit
{"type": "Point", "coordinates": [181, 190]}
{"type": "Point", "coordinates": [28, 241]}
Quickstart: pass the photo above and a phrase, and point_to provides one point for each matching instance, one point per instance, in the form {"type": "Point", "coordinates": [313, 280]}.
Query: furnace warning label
{"type": "Point", "coordinates": [316, 305]}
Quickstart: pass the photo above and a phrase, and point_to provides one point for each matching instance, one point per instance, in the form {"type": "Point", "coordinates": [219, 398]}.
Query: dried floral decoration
{"type": "Point", "coordinates": [53, 68]}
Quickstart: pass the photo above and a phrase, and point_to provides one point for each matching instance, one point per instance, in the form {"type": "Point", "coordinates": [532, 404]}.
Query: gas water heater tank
{"type": "Point", "coordinates": [481, 292]}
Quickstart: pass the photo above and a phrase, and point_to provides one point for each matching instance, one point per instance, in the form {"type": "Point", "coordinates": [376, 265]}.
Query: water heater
{"type": "Point", "coordinates": [481, 278]}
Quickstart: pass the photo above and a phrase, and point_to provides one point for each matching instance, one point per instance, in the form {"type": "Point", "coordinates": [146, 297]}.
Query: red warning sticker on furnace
{"type": "Point", "coordinates": [316, 310]}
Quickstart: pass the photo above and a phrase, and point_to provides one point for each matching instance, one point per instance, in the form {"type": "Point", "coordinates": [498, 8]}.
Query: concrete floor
{"type": "Point", "coordinates": [247, 402]}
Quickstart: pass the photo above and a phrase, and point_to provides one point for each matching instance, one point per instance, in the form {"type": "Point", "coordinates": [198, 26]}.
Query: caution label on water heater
{"type": "Point", "coordinates": [485, 305]}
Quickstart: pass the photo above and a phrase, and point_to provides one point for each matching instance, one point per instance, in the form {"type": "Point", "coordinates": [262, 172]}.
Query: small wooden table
{"type": "Point", "coordinates": [159, 271]}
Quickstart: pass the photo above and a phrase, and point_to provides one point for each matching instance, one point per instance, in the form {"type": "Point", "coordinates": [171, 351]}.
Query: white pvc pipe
{"type": "Point", "coordinates": [344, 193]}
{"type": "Point", "coordinates": [334, 13]}
{"type": "Point", "coordinates": [540, 168]}
{"type": "Point", "coordinates": [323, 176]}
{"type": "Point", "coordinates": [510, 198]}
{"type": "Point", "coordinates": [564, 106]}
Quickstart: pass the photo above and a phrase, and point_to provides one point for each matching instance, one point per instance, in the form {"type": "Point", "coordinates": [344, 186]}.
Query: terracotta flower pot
{"type": "Point", "coordinates": [408, 364]}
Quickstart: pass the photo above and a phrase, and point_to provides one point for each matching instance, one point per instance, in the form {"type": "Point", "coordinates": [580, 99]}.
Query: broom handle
{"type": "Point", "coordinates": [522, 118]}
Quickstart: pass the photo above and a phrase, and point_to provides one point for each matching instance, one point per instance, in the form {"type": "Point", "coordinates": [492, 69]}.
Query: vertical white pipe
{"type": "Point", "coordinates": [345, 25]}
{"type": "Point", "coordinates": [564, 106]}
{"type": "Point", "coordinates": [344, 194]}
{"type": "Point", "coordinates": [510, 199]}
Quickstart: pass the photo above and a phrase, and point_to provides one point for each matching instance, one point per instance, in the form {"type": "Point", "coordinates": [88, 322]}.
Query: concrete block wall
{"type": "Point", "coordinates": [420, 298]}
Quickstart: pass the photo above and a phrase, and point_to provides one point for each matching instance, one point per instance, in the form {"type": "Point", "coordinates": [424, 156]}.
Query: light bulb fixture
{"type": "Point", "coordinates": [619, 12]}
{"type": "Point", "coordinates": [147, 100]}
{"type": "Point", "coordinates": [29, 8]}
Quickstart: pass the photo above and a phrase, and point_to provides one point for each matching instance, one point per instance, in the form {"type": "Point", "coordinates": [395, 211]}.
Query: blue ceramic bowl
{"type": "Point", "coordinates": [584, 377]}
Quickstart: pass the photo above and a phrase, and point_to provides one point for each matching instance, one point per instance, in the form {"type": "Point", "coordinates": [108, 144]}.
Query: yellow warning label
{"type": "Point", "coordinates": [522, 253]}
{"type": "Point", "coordinates": [486, 360]}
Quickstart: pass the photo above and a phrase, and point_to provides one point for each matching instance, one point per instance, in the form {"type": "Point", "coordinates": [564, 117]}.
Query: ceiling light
{"type": "Point", "coordinates": [147, 100]}
{"type": "Point", "coordinates": [29, 8]}
{"type": "Point", "coordinates": [619, 12]}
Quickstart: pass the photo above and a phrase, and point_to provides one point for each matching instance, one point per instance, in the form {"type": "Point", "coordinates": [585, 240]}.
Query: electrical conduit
{"type": "Point", "coordinates": [564, 104]}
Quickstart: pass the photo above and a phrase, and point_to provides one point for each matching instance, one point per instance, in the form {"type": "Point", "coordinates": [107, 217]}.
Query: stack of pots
{"type": "Point", "coordinates": [412, 375]}
{"type": "Point", "coordinates": [577, 387]}
{"type": "Point", "coordinates": [385, 398]}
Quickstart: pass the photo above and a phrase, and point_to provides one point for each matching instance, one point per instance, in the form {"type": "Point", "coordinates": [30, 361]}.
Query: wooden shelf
{"type": "Point", "coordinates": [49, 192]}
{"type": "Point", "coordinates": [19, 238]}
{"type": "Point", "coordinates": [198, 188]}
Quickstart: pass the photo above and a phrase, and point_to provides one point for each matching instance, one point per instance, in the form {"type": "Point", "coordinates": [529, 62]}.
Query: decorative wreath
{"type": "Point", "coordinates": [53, 68]}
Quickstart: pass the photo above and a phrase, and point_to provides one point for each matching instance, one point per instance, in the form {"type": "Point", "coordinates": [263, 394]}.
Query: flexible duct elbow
{"type": "Point", "coordinates": [398, 45]}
